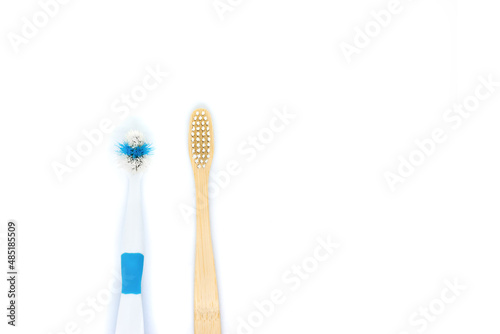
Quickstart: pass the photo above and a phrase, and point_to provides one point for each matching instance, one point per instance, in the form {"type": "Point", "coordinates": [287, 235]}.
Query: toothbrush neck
{"type": "Point", "coordinates": [202, 194]}
{"type": "Point", "coordinates": [133, 235]}
{"type": "Point", "coordinates": [134, 182]}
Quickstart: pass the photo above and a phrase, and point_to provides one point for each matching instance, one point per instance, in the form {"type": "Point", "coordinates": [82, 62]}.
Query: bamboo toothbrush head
{"type": "Point", "coordinates": [201, 139]}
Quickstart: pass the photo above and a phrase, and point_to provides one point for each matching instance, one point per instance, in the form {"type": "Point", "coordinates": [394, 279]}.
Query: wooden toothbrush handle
{"type": "Point", "coordinates": [206, 296]}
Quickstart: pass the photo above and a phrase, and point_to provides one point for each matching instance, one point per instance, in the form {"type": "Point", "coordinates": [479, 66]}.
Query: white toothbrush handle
{"type": "Point", "coordinates": [130, 314]}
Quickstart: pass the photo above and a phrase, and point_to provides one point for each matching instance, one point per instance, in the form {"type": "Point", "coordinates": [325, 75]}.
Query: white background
{"type": "Point", "coordinates": [322, 176]}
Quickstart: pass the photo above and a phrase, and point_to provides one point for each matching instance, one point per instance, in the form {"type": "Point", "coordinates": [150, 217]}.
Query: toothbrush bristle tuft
{"type": "Point", "coordinates": [135, 151]}
{"type": "Point", "coordinates": [201, 139]}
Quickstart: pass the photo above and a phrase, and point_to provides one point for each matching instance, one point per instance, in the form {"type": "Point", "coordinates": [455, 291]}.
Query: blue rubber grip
{"type": "Point", "coordinates": [132, 266]}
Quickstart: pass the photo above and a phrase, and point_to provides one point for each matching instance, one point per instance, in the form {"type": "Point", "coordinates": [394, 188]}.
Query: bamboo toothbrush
{"type": "Point", "coordinates": [206, 296]}
{"type": "Point", "coordinates": [134, 154]}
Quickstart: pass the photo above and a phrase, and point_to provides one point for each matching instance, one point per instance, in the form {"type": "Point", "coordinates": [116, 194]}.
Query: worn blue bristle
{"type": "Point", "coordinates": [135, 152]}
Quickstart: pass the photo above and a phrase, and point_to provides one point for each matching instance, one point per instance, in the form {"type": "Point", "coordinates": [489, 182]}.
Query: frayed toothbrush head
{"type": "Point", "coordinates": [135, 152]}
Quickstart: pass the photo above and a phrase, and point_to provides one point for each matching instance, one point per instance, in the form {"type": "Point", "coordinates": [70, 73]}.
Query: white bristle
{"type": "Point", "coordinates": [201, 136]}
